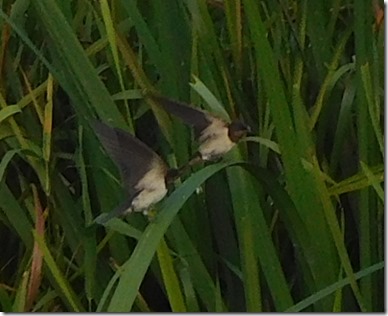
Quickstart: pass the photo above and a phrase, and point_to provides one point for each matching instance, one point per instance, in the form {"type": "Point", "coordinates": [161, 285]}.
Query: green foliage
{"type": "Point", "coordinates": [290, 220]}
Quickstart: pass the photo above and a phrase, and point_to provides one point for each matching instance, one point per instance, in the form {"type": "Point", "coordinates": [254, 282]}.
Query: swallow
{"type": "Point", "coordinates": [215, 136]}
{"type": "Point", "coordinates": [144, 174]}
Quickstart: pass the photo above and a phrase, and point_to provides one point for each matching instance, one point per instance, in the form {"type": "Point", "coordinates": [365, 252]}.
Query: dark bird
{"type": "Point", "coordinates": [145, 175]}
{"type": "Point", "coordinates": [215, 136]}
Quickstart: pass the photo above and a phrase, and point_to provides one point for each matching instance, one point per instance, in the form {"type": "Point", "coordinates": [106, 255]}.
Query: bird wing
{"type": "Point", "coordinates": [121, 209]}
{"type": "Point", "coordinates": [133, 157]}
{"type": "Point", "coordinates": [197, 118]}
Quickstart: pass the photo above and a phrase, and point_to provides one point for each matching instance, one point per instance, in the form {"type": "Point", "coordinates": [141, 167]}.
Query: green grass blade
{"type": "Point", "coordinates": [9, 111]}
{"type": "Point", "coordinates": [63, 284]}
{"type": "Point", "coordinates": [81, 80]}
{"type": "Point", "coordinates": [332, 288]}
{"type": "Point", "coordinates": [170, 278]}
{"type": "Point", "coordinates": [135, 268]}
{"type": "Point", "coordinates": [16, 215]}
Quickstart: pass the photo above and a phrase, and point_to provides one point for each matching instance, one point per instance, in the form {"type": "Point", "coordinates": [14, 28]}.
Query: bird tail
{"type": "Point", "coordinates": [122, 209]}
{"type": "Point", "coordinates": [192, 162]}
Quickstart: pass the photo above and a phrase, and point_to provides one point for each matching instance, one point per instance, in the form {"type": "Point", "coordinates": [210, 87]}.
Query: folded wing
{"type": "Point", "coordinates": [132, 156]}
{"type": "Point", "coordinates": [197, 118]}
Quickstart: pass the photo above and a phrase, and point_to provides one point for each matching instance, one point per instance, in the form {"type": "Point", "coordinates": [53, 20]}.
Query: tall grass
{"type": "Point", "coordinates": [290, 220]}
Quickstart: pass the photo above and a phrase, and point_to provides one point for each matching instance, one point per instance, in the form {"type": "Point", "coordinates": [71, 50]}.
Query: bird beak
{"type": "Point", "coordinates": [249, 131]}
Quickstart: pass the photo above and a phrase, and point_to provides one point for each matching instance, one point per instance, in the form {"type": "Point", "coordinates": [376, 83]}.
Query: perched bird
{"type": "Point", "coordinates": [215, 136]}
{"type": "Point", "coordinates": [145, 175]}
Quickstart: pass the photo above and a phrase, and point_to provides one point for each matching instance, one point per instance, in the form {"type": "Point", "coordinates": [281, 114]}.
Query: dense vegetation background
{"type": "Point", "coordinates": [290, 220]}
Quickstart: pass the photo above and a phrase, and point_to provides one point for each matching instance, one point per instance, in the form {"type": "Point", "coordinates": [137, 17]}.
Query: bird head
{"type": "Point", "coordinates": [237, 130]}
{"type": "Point", "coordinates": [172, 175]}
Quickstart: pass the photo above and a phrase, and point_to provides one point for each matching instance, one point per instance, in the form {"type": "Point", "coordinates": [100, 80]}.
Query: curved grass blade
{"type": "Point", "coordinates": [170, 278]}
{"type": "Point", "coordinates": [213, 104]}
{"type": "Point", "coordinates": [133, 271]}
{"type": "Point", "coordinates": [68, 293]}
{"type": "Point", "coordinates": [9, 111]}
{"type": "Point", "coordinates": [332, 288]}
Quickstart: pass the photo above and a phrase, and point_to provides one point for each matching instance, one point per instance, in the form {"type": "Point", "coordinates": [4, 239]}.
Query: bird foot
{"type": "Point", "coordinates": [150, 214]}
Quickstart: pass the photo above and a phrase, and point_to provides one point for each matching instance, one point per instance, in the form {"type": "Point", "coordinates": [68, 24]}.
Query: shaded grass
{"type": "Point", "coordinates": [288, 232]}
